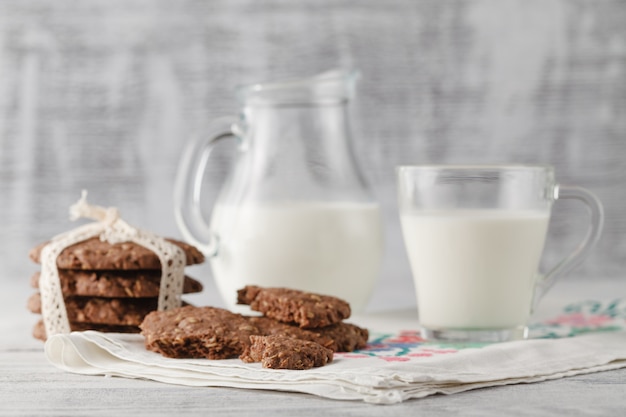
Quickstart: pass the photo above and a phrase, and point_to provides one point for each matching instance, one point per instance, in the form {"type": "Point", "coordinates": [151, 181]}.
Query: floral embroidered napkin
{"type": "Point", "coordinates": [587, 337]}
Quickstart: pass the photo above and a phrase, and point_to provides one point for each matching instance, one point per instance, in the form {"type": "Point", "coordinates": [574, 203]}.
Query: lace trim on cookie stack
{"type": "Point", "coordinates": [110, 228]}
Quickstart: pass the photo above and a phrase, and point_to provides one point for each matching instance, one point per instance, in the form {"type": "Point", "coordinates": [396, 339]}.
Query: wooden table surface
{"type": "Point", "coordinates": [29, 385]}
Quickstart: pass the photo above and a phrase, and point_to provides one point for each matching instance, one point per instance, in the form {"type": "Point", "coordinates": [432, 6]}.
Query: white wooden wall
{"type": "Point", "coordinates": [102, 94]}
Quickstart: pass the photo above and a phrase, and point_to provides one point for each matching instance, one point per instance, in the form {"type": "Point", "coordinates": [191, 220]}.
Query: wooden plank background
{"type": "Point", "coordinates": [102, 95]}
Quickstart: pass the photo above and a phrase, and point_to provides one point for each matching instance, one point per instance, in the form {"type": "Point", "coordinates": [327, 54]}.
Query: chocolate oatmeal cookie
{"type": "Point", "coordinates": [281, 352]}
{"type": "Point", "coordinates": [39, 330]}
{"type": "Point", "coordinates": [94, 254]}
{"type": "Point", "coordinates": [109, 311]}
{"type": "Point", "coordinates": [197, 332]}
{"type": "Point", "coordinates": [117, 284]}
{"type": "Point", "coordinates": [308, 310]}
{"type": "Point", "coordinates": [214, 333]}
{"type": "Point", "coordinates": [340, 337]}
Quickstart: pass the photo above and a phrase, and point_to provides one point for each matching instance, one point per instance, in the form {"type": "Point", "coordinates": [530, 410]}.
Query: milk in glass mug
{"type": "Point", "coordinates": [474, 236]}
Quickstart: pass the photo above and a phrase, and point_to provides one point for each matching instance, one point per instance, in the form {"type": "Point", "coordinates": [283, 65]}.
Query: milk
{"type": "Point", "coordinates": [474, 269]}
{"type": "Point", "coordinates": [325, 248]}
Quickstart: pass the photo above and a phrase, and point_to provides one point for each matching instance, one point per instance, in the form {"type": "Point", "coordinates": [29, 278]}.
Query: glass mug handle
{"type": "Point", "coordinates": [596, 221]}
{"type": "Point", "coordinates": [188, 185]}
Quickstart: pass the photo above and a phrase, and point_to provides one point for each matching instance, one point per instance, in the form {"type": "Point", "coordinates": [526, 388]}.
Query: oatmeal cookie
{"type": "Point", "coordinates": [117, 284]}
{"type": "Point", "coordinates": [94, 254]}
{"type": "Point", "coordinates": [340, 337]}
{"type": "Point", "coordinates": [96, 310]}
{"type": "Point", "coordinates": [281, 352]}
{"type": "Point", "coordinates": [307, 310]}
{"type": "Point", "coordinates": [197, 332]}
{"type": "Point", "coordinates": [39, 330]}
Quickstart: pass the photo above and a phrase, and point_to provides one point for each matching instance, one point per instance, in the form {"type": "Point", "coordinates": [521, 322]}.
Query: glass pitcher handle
{"type": "Point", "coordinates": [188, 186]}
{"type": "Point", "coordinates": [596, 221]}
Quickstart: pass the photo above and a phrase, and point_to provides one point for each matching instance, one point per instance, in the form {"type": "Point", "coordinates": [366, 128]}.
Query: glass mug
{"type": "Point", "coordinates": [474, 236]}
{"type": "Point", "coordinates": [295, 210]}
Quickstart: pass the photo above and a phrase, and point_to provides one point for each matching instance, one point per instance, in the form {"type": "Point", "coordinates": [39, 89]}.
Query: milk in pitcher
{"type": "Point", "coordinates": [328, 248]}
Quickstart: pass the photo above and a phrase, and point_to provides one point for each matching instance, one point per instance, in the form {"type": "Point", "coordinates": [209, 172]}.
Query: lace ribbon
{"type": "Point", "coordinates": [112, 229]}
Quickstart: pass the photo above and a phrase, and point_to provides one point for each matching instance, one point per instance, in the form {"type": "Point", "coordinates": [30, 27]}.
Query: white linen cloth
{"type": "Point", "coordinates": [394, 367]}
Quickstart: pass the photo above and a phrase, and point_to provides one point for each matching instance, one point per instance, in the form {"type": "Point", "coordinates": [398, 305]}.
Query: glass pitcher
{"type": "Point", "coordinates": [295, 210]}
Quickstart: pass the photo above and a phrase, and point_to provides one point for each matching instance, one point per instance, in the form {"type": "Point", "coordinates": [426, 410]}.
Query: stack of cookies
{"type": "Point", "coordinates": [108, 287]}
{"type": "Point", "coordinates": [298, 330]}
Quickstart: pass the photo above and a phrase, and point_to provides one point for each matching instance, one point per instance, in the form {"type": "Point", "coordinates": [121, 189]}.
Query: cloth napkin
{"type": "Point", "coordinates": [394, 367]}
